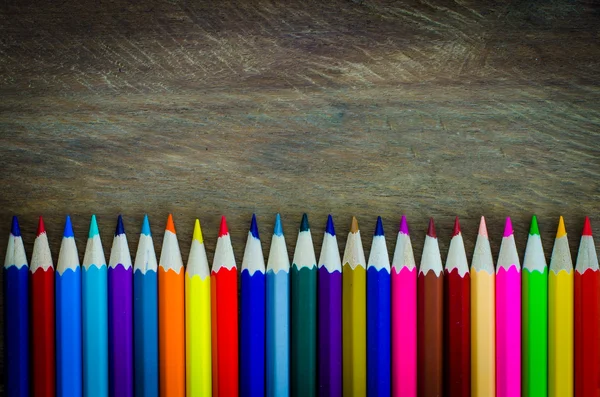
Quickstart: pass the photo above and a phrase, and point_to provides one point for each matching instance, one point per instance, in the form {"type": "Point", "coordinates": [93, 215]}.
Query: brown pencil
{"type": "Point", "coordinates": [430, 290]}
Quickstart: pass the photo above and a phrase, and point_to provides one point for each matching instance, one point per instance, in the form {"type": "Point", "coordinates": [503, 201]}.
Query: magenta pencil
{"type": "Point", "coordinates": [508, 317]}
{"type": "Point", "coordinates": [404, 316]}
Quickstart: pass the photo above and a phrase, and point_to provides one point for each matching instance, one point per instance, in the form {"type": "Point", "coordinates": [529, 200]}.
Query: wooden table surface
{"type": "Point", "coordinates": [359, 108]}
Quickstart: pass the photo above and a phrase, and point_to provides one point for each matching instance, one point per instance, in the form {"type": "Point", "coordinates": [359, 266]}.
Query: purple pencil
{"type": "Point", "coordinates": [330, 315]}
{"type": "Point", "coordinates": [120, 316]}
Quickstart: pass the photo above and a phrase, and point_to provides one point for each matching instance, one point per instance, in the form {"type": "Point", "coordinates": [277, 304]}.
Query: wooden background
{"type": "Point", "coordinates": [359, 108]}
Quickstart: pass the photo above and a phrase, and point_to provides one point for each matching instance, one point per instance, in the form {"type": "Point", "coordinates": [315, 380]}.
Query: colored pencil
{"type": "Point", "coordinates": [278, 315]}
{"type": "Point", "coordinates": [404, 316]}
{"type": "Point", "coordinates": [457, 318]}
{"type": "Point", "coordinates": [94, 289]}
{"type": "Point", "coordinates": [354, 316]}
{"type": "Point", "coordinates": [329, 323]}
{"type": "Point", "coordinates": [42, 316]}
{"type": "Point", "coordinates": [535, 316]}
{"type": "Point", "coordinates": [252, 336]}
{"type": "Point", "coordinates": [145, 316]}
{"type": "Point", "coordinates": [224, 313]}
{"type": "Point", "coordinates": [171, 315]}
{"type": "Point", "coordinates": [303, 345]}
{"type": "Point", "coordinates": [120, 316]}
{"type": "Point", "coordinates": [16, 315]}
{"type": "Point", "coordinates": [68, 317]}
{"type": "Point", "coordinates": [508, 317]}
{"type": "Point", "coordinates": [197, 319]}
{"type": "Point", "coordinates": [483, 318]}
{"type": "Point", "coordinates": [378, 316]}
{"type": "Point", "coordinates": [560, 317]}
{"type": "Point", "coordinates": [430, 299]}
{"type": "Point", "coordinates": [587, 316]}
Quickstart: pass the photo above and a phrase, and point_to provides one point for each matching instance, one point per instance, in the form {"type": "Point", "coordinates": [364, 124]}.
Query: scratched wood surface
{"type": "Point", "coordinates": [346, 107]}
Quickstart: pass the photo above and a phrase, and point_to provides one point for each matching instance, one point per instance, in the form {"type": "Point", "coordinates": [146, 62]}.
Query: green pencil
{"type": "Point", "coordinates": [535, 316]}
{"type": "Point", "coordinates": [303, 360]}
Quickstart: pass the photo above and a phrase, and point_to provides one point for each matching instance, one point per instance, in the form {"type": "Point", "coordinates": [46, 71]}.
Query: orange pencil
{"type": "Point", "coordinates": [171, 323]}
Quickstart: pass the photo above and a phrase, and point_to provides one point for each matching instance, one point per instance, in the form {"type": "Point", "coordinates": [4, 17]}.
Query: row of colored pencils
{"type": "Point", "coordinates": [328, 328]}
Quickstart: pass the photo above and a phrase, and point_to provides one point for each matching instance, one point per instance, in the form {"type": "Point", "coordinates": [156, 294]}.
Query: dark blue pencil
{"type": "Point", "coordinates": [16, 316]}
{"type": "Point", "coordinates": [378, 316]}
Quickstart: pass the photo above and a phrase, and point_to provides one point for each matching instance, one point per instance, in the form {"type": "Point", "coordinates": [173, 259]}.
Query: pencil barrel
{"type": "Point", "coordinates": [378, 332]}
{"type": "Point", "coordinates": [252, 336]}
{"type": "Point", "coordinates": [329, 286]}
{"type": "Point", "coordinates": [145, 312]}
{"type": "Point", "coordinates": [16, 330]}
{"type": "Point", "coordinates": [430, 297]}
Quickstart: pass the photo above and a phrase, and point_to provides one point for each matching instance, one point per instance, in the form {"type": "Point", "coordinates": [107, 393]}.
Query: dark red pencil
{"type": "Point", "coordinates": [42, 316]}
{"type": "Point", "coordinates": [457, 316]}
{"type": "Point", "coordinates": [587, 317]}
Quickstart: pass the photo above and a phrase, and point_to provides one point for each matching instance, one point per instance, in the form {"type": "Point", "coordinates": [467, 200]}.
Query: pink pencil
{"type": "Point", "coordinates": [508, 317]}
{"type": "Point", "coordinates": [404, 316]}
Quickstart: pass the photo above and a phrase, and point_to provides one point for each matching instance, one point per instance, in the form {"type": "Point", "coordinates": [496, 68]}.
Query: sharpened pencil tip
{"type": "Point", "coordinates": [254, 227]}
{"type": "Point", "coordinates": [170, 225]}
{"type": "Point", "coordinates": [15, 230]}
{"type": "Point", "coordinates": [431, 229]}
{"type": "Point", "coordinates": [197, 232]}
{"type": "Point", "coordinates": [41, 228]}
{"type": "Point", "coordinates": [534, 229]}
{"type": "Point", "coordinates": [278, 229]}
{"type": "Point", "coordinates": [587, 227]}
{"type": "Point", "coordinates": [508, 229]}
{"type": "Point", "coordinates": [483, 228]}
{"type": "Point", "coordinates": [354, 225]}
{"type": "Point", "coordinates": [120, 228]}
{"type": "Point", "coordinates": [404, 225]}
{"type": "Point", "coordinates": [223, 230]}
{"type": "Point", "coordinates": [456, 230]}
{"type": "Point", "coordinates": [304, 227]}
{"type": "Point", "coordinates": [561, 230]}
{"type": "Point", "coordinates": [330, 228]}
{"type": "Point", "coordinates": [378, 227]}
{"type": "Point", "coordinates": [68, 232]}
{"type": "Point", "coordinates": [146, 226]}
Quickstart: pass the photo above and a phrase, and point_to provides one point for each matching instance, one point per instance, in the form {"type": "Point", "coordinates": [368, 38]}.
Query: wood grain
{"type": "Point", "coordinates": [346, 107]}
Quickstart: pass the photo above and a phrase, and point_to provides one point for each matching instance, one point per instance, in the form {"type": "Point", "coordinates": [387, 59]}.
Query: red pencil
{"type": "Point", "coordinates": [224, 293]}
{"type": "Point", "coordinates": [42, 316]}
{"type": "Point", "coordinates": [587, 317]}
{"type": "Point", "coordinates": [457, 313]}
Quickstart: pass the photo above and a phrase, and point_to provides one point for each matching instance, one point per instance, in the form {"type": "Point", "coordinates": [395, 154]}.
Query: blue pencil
{"type": "Point", "coordinates": [378, 316]}
{"type": "Point", "coordinates": [145, 316]}
{"type": "Point", "coordinates": [94, 316]}
{"type": "Point", "coordinates": [252, 329]}
{"type": "Point", "coordinates": [16, 315]}
{"type": "Point", "coordinates": [68, 317]}
{"type": "Point", "coordinates": [278, 316]}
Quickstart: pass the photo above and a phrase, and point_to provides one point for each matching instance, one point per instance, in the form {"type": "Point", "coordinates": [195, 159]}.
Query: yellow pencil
{"type": "Point", "coordinates": [354, 316]}
{"type": "Point", "coordinates": [483, 321]}
{"type": "Point", "coordinates": [197, 319]}
{"type": "Point", "coordinates": [560, 317]}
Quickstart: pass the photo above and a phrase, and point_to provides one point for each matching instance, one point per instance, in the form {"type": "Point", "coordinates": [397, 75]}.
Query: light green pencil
{"type": "Point", "coordinates": [535, 316]}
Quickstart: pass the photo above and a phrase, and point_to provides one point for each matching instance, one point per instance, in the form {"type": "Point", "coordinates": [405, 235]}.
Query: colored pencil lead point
{"type": "Point", "coordinates": [508, 229]}
{"type": "Point", "coordinates": [41, 228]}
{"type": "Point", "coordinates": [68, 232]}
{"type": "Point", "coordinates": [483, 227]}
{"type": "Point", "coordinates": [379, 227]}
{"type": "Point", "coordinates": [93, 227]}
{"type": "Point", "coordinates": [278, 229]}
{"type": "Point", "coordinates": [533, 229]}
{"type": "Point", "coordinates": [254, 227]}
{"type": "Point", "coordinates": [456, 230]}
{"type": "Point", "coordinates": [431, 229]}
{"type": "Point", "coordinates": [198, 232]}
{"type": "Point", "coordinates": [304, 224]}
{"type": "Point", "coordinates": [561, 231]}
{"type": "Point", "coordinates": [170, 225]}
{"type": "Point", "coordinates": [120, 228]}
{"type": "Point", "coordinates": [223, 228]}
{"type": "Point", "coordinates": [146, 226]}
{"type": "Point", "coordinates": [330, 228]}
{"type": "Point", "coordinates": [404, 225]}
{"type": "Point", "coordinates": [354, 226]}
{"type": "Point", "coordinates": [15, 230]}
{"type": "Point", "coordinates": [587, 227]}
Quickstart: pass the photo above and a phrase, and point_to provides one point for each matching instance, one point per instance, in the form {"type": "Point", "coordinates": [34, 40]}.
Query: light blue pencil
{"type": "Point", "coordinates": [278, 316]}
{"type": "Point", "coordinates": [68, 317]}
{"type": "Point", "coordinates": [145, 316]}
{"type": "Point", "coordinates": [95, 317]}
